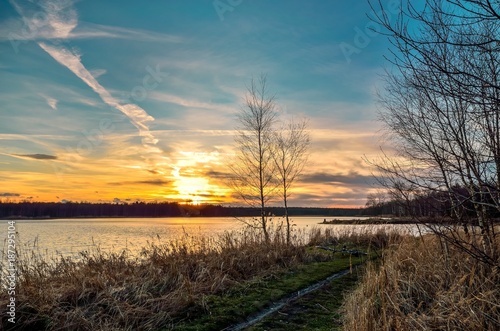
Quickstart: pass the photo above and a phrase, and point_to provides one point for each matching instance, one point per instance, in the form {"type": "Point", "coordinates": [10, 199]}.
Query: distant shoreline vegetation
{"type": "Point", "coordinates": [398, 220]}
{"type": "Point", "coordinates": [52, 210]}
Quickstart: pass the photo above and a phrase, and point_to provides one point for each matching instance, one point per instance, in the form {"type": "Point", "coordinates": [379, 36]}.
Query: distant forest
{"type": "Point", "coordinates": [155, 209]}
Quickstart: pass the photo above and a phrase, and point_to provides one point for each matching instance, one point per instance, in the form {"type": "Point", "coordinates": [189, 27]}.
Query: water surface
{"type": "Point", "coordinates": [68, 237]}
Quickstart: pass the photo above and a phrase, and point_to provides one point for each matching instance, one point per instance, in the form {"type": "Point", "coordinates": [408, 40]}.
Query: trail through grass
{"type": "Point", "coordinates": [241, 302]}
{"type": "Point", "coordinates": [316, 311]}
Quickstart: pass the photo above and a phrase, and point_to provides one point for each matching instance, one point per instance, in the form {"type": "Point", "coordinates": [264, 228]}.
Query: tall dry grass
{"type": "Point", "coordinates": [424, 284]}
{"type": "Point", "coordinates": [358, 237]}
{"type": "Point", "coordinates": [121, 291]}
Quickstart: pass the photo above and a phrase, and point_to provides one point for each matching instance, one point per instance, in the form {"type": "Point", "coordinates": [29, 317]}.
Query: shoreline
{"type": "Point", "coordinates": [398, 220]}
{"type": "Point", "coordinates": [371, 221]}
{"type": "Point", "coordinates": [15, 218]}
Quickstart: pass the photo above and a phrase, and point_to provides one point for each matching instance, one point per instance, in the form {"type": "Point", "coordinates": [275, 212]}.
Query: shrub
{"type": "Point", "coordinates": [425, 284]}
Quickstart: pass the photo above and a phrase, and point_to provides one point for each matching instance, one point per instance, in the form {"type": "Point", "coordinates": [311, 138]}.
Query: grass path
{"type": "Point", "coordinates": [253, 301]}
{"type": "Point", "coordinates": [280, 304]}
{"type": "Point", "coordinates": [316, 311]}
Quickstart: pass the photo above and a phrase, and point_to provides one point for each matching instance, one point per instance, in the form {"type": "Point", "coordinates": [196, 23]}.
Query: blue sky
{"type": "Point", "coordinates": [131, 100]}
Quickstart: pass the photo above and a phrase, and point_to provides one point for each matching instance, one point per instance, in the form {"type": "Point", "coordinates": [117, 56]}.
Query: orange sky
{"type": "Point", "coordinates": [188, 173]}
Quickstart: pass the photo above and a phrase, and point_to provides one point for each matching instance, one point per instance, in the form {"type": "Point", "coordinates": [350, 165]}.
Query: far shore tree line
{"type": "Point", "coordinates": [427, 205]}
{"type": "Point", "coordinates": [41, 210]}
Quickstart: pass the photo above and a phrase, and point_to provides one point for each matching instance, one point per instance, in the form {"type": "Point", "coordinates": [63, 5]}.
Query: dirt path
{"type": "Point", "coordinates": [287, 302]}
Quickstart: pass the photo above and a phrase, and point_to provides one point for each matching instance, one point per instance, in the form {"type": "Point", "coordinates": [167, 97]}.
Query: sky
{"type": "Point", "coordinates": [128, 100]}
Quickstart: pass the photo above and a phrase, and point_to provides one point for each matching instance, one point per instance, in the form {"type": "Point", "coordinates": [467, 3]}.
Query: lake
{"type": "Point", "coordinates": [68, 237]}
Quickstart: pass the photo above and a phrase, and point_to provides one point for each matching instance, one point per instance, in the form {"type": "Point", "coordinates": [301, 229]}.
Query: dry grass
{"type": "Point", "coordinates": [110, 291]}
{"type": "Point", "coordinates": [419, 287]}
{"type": "Point", "coordinates": [365, 237]}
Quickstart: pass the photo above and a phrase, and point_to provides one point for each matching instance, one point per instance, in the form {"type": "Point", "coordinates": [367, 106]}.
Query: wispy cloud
{"type": "Point", "coordinates": [352, 178]}
{"type": "Point", "coordinates": [9, 194]}
{"type": "Point", "coordinates": [50, 19]}
{"type": "Point", "coordinates": [91, 30]}
{"type": "Point", "coordinates": [190, 103]}
{"type": "Point", "coordinates": [155, 182]}
{"type": "Point", "coordinates": [218, 174]}
{"type": "Point", "coordinates": [72, 61]}
{"type": "Point", "coordinates": [58, 20]}
{"type": "Point", "coordinates": [36, 156]}
{"type": "Point", "coordinates": [96, 73]}
{"type": "Point", "coordinates": [50, 101]}
{"type": "Point", "coordinates": [31, 138]}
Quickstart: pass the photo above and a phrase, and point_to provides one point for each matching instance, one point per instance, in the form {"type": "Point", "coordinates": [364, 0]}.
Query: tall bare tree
{"type": "Point", "coordinates": [290, 155]}
{"type": "Point", "coordinates": [442, 108]}
{"type": "Point", "coordinates": [254, 171]}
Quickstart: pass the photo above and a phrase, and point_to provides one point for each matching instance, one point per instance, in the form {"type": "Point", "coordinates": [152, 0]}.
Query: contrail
{"type": "Point", "coordinates": [136, 114]}
{"type": "Point", "coordinates": [59, 19]}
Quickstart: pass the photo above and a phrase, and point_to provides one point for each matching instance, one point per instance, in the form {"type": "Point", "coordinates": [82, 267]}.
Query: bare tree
{"type": "Point", "coordinates": [254, 171]}
{"type": "Point", "coordinates": [442, 109]}
{"type": "Point", "coordinates": [290, 155]}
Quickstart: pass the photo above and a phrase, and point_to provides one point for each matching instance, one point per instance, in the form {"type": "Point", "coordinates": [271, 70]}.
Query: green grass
{"type": "Point", "coordinates": [315, 311]}
{"type": "Point", "coordinates": [215, 312]}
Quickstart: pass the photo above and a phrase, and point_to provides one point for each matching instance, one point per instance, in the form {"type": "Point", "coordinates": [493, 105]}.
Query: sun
{"type": "Point", "coordinates": [197, 201]}
{"type": "Point", "coordinates": [190, 181]}
{"type": "Point", "coordinates": [193, 189]}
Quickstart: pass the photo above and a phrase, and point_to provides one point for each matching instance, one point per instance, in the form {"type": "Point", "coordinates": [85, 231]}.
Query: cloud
{"type": "Point", "coordinates": [194, 132]}
{"type": "Point", "coordinates": [136, 114]}
{"type": "Point", "coordinates": [98, 72]}
{"type": "Point", "coordinates": [190, 103]}
{"type": "Point", "coordinates": [91, 30]}
{"type": "Point", "coordinates": [50, 101]}
{"type": "Point", "coordinates": [31, 138]}
{"type": "Point", "coordinates": [156, 182]}
{"type": "Point", "coordinates": [219, 174]}
{"type": "Point", "coordinates": [36, 156]}
{"type": "Point", "coordinates": [57, 19]}
{"type": "Point", "coordinates": [8, 194]}
{"type": "Point", "coordinates": [159, 182]}
{"type": "Point", "coordinates": [307, 196]}
{"type": "Point", "coordinates": [52, 19]}
{"type": "Point", "coordinates": [333, 199]}
{"type": "Point", "coordinates": [352, 178]}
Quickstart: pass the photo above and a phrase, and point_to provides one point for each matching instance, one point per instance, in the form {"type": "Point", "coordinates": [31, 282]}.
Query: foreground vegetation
{"type": "Point", "coordinates": [190, 283]}
{"type": "Point", "coordinates": [427, 284]}
{"type": "Point", "coordinates": [415, 283]}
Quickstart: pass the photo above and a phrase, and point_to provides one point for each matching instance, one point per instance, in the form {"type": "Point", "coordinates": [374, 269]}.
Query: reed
{"type": "Point", "coordinates": [425, 284]}
{"type": "Point", "coordinates": [365, 237]}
